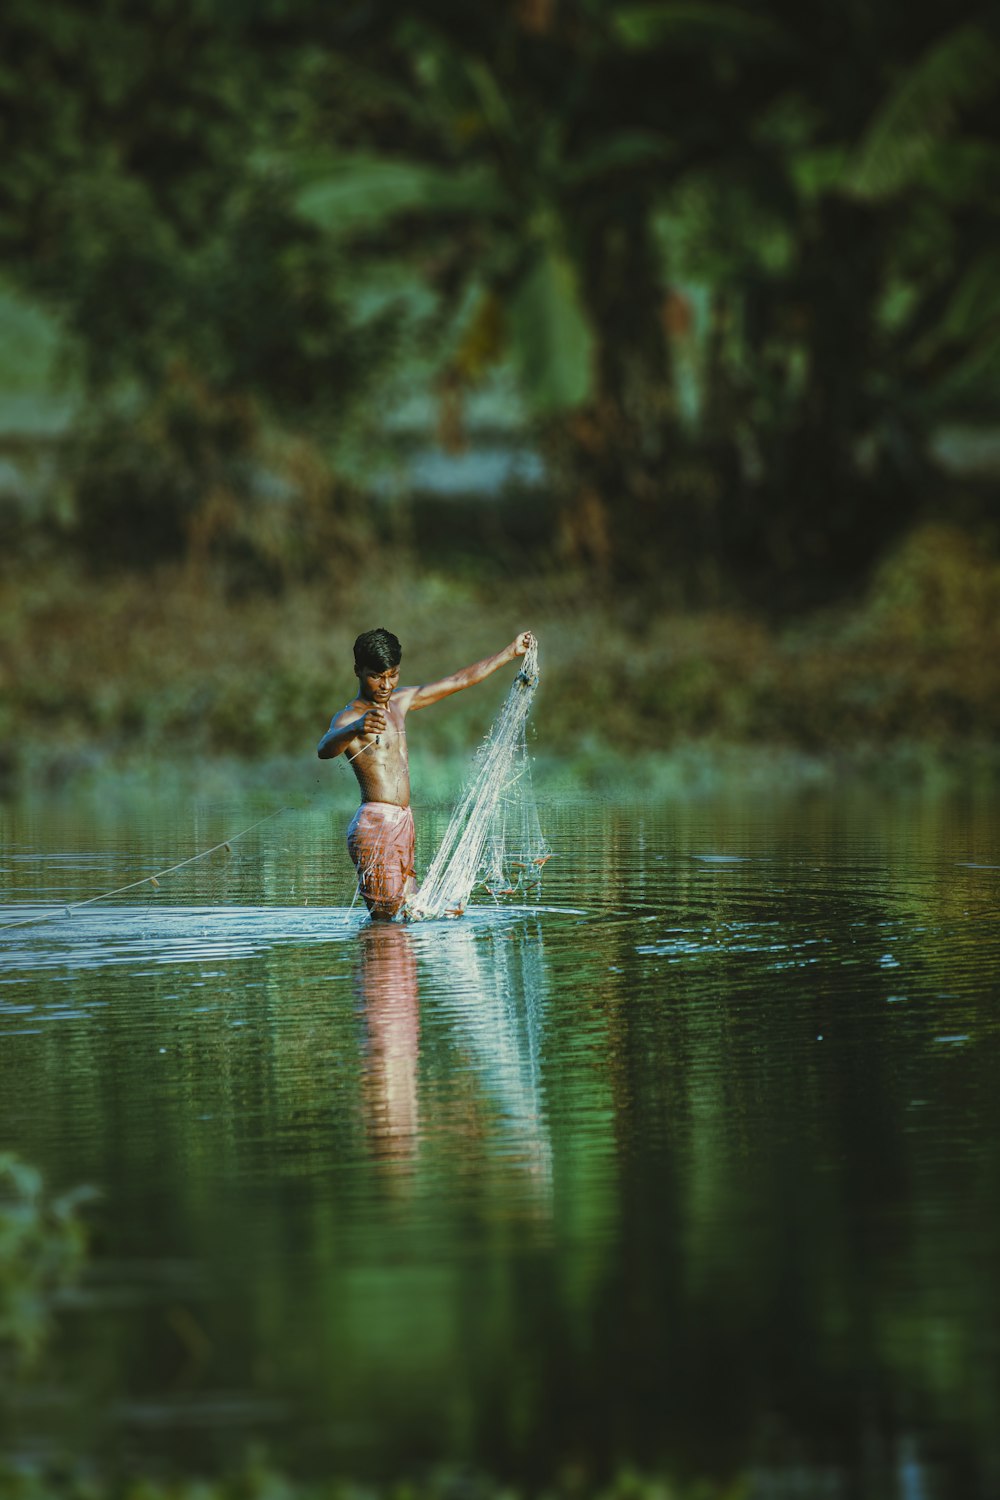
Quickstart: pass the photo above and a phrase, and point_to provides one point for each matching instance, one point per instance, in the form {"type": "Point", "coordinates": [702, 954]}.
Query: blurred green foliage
{"type": "Point", "coordinates": [151, 670]}
{"type": "Point", "coordinates": [261, 1483]}
{"type": "Point", "coordinates": [739, 261]}
{"type": "Point", "coordinates": [42, 1243]}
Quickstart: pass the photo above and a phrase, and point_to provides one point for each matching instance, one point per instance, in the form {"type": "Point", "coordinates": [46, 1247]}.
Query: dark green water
{"type": "Point", "coordinates": [694, 1168]}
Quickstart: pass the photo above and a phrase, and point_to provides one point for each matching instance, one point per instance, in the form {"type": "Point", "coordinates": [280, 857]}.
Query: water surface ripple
{"type": "Point", "coordinates": [690, 1167]}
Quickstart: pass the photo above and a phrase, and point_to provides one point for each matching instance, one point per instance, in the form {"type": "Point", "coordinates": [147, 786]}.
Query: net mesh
{"type": "Point", "coordinates": [494, 838]}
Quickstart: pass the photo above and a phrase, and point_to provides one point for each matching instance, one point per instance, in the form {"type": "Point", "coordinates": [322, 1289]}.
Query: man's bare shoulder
{"type": "Point", "coordinates": [353, 710]}
{"type": "Point", "coordinates": [402, 699]}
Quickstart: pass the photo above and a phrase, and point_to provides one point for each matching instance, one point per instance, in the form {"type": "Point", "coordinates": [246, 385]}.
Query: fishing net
{"type": "Point", "coordinates": [494, 838]}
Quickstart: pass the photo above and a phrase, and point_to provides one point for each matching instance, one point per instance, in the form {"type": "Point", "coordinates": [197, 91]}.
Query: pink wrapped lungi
{"type": "Point", "coordinates": [380, 842]}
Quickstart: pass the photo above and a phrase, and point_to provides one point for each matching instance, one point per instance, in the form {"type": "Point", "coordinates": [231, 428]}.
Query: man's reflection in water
{"type": "Point", "coordinates": [487, 983]}
{"type": "Point", "coordinates": [388, 987]}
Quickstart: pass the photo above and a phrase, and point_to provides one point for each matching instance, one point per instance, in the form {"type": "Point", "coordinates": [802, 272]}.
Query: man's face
{"type": "Point", "coordinates": [378, 687]}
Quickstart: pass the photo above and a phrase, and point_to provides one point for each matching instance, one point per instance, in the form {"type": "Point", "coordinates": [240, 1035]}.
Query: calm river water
{"type": "Point", "coordinates": [694, 1167]}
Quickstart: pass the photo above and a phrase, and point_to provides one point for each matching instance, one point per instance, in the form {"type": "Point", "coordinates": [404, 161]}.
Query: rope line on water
{"type": "Point", "coordinates": [67, 909]}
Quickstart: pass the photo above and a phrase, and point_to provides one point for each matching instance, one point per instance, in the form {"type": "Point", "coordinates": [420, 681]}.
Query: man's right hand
{"type": "Point", "coordinates": [374, 721]}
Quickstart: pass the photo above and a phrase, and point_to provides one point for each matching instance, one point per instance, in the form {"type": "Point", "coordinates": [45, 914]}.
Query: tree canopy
{"type": "Point", "coordinates": [738, 258]}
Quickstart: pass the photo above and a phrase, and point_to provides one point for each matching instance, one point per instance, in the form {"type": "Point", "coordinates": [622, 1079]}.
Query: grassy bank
{"type": "Point", "coordinates": [145, 676]}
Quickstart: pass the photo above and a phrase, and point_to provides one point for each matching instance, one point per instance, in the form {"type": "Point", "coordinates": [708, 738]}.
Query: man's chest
{"type": "Point", "coordinates": [393, 736]}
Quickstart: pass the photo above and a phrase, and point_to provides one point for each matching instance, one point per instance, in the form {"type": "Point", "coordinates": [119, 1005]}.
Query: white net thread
{"type": "Point", "coordinates": [494, 837]}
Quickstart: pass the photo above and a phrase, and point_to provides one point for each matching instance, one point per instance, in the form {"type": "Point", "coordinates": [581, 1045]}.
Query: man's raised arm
{"type": "Point", "coordinates": [433, 692]}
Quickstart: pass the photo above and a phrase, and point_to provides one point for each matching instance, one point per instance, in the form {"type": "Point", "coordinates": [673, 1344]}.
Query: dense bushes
{"type": "Point", "coordinates": [166, 666]}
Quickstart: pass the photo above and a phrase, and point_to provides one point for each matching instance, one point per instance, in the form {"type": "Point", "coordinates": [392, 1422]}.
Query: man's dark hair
{"type": "Point", "coordinates": [377, 648]}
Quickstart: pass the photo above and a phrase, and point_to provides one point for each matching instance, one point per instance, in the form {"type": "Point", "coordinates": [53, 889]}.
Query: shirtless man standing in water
{"type": "Point", "coordinates": [372, 731]}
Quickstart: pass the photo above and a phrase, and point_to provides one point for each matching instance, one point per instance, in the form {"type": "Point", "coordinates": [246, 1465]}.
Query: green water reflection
{"type": "Point", "coordinates": [692, 1169]}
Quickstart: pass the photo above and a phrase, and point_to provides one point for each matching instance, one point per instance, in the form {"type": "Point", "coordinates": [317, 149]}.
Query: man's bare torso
{"type": "Point", "coordinates": [383, 768]}
{"type": "Point", "coordinates": [370, 731]}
